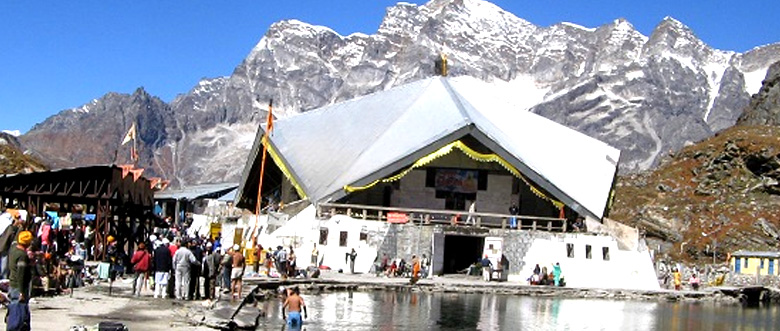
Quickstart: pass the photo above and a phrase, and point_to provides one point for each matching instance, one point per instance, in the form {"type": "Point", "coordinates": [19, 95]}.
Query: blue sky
{"type": "Point", "coordinates": [56, 55]}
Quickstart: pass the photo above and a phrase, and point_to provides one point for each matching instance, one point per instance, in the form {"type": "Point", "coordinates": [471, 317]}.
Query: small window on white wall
{"type": "Point", "coordinates": [343, 239]}
{"type": "Point", "coordinates": [570, 250]}
{"type": "Point", "coordinates": [587, 252]}
{"type": "Point", "coordinates": [323, 236]}
{"type": "Point", "coordinates": [605, 253]}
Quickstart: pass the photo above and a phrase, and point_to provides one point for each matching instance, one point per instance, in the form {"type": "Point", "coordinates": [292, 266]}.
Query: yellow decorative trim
{"type": "Point", "coordinates": [278, 161]}
{"type": "Point", "coordinates": [470, 153]}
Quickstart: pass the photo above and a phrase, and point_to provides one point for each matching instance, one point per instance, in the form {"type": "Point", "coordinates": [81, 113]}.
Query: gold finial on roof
{"type": "Point", "coordinates": [441, 64]}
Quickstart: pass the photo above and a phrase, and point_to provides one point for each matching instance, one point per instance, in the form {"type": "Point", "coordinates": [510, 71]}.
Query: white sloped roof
{"type": "Point", "coordinates": [368, 138]}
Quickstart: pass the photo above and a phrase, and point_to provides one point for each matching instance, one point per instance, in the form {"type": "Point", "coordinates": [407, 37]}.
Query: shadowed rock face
{"type": "Point", "coordinates": [92, 133]}
{"type": "Point", "coordinates": [764, 108]}
{"type": "Point", "coordinates": [644, 95]}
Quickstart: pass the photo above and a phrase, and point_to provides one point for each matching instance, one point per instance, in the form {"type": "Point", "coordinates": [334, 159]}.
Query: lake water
{"type": "Point", "coordinates": [385, 310]}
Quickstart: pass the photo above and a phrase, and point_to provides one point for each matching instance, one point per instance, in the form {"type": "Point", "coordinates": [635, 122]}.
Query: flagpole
{"type": "Point", "coordinates": [134, 151]}
{"type": "Point", "coordinates": [268, 128]}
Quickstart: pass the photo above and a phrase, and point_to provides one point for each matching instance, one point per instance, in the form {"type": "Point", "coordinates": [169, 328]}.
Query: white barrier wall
{"type": "Point", "coordinates": [622, 269]}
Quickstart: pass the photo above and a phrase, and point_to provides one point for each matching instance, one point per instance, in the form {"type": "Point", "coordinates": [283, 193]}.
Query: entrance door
{"type": "Point", "coordinates": [771, 267]}
{"type": "Point", "coordinates": [437, 256]}
{"type": "Point", "coordinates": [737, 264]}
{"type": "Point", "coordinates": [493, 249]}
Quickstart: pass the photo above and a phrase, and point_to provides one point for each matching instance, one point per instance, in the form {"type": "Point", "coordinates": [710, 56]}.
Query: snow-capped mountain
{"type": "Point", "coordinates": [646, 95]}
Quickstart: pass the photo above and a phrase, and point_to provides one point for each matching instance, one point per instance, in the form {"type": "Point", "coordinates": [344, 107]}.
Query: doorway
{"type": "Point", "coordinates": [460, 252]}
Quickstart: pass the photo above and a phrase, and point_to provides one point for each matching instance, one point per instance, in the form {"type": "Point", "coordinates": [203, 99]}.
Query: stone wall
{"type": "Point", "coordinates": [591, 254]}
{"type": "Point", "coordinates": [516, 245]}
{"type": "Point", "coordinates": [405, 240]}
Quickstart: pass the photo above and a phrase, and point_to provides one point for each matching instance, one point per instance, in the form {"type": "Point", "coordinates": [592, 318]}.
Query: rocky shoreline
{"type": "Point", "coordinates": [217, 315]}
{"type": "Point", "coordinates": [475, 285]}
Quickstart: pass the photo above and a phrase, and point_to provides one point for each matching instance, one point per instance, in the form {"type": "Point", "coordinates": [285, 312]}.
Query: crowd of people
{"type": "Point", "coordinates": [57, 251]}
{"type": "Point", "coordinates": [399, 267]}
{"type": "Point", "coordinates": [541, 276]}
{"type": "Point", "coordinates": [40, 256]}
{"type": "Point", "coordinates": [189, 268]}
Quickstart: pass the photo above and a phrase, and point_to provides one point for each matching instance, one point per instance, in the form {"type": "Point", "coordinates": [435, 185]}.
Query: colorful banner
{"type": "Point", "coordinates": [456, 180]}
{"type": "Point", "coordinates": [398, 218]}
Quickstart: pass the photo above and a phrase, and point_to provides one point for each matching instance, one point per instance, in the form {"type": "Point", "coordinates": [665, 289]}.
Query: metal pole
{"type": "Point", "coordinates": [714, 250]}
{"type": "Point", "coordinates": [265, 141]}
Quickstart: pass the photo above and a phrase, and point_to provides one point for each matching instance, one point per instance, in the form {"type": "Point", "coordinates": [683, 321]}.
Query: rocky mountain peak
{"type": "Point", "coordinates": [645, 96]}
{"type": "Point", "coordinates": [673, 37]}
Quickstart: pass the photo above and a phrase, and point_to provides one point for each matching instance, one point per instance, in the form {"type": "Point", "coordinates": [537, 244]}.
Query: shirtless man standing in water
{"type": "Point", "coordinates": [294, 303]}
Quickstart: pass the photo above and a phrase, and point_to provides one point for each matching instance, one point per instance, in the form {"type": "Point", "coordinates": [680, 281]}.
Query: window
{"type": "Point", "coordinates": [746, 264]}
{"type": "Point", "coordinates": [587, 252]}
{"type": "Point", "coordinates": [605, 253]}
{"type": "Point", "coordinates": [430, 177]}
{"type": "Point", "coordinates": [515, 185]}
{"type": "Point", "coordinates": [482, 181]}
{"type": "Point", "coordinates": [323, 236]}
{"type": "Point", "coordinates": [363, 236]}
{"type": "Point", "coordinates": [343, 239]}
{"type": "Point", "coordinates": [570, 250]}
{"type": "Point", "coordinates": [761, 262]}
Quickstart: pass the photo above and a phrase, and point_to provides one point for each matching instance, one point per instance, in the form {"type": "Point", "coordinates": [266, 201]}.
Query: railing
{"type": "Point", "coordinates": [438, 216]}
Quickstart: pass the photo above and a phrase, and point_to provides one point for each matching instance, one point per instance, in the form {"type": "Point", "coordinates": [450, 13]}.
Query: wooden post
{"type": "Point", "coordinates": [349, 212]}
{"type": "Point", "coordinates": [503, 223]}
{"type": "Point", "coordinates": [549, 226]}
{"type": "Point", "coordinates": [379, 215]}
{"type": "Point", "coordinates": [479, 221]}
{"type": "Point", "coordinates": [533, 227]}
{"type": "Point", "coordinates": [365, 214]}
{"type": "Point", "coordinates": [564, 226]}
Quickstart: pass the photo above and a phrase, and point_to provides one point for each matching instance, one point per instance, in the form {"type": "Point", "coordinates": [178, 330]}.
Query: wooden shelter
{"type": "Point", "coordinates": [121, 199]}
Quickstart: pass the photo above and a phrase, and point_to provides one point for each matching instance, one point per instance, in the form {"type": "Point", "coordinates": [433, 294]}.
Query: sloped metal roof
{"type": "Point", "coordinates": [196, 192]}
{"type": "Point", "coordinates": [370, 137]}
{"type": "Point", "coordinates": [230, 196]}
{"type": "Point", "coordinates": [768, 254]}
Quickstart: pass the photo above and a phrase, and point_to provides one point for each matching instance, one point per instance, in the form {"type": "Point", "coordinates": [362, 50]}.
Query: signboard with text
{"type": "Point", "coordinates": [398, 218]}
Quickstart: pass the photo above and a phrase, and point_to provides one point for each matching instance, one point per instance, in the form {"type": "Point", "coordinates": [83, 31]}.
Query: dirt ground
{"type": "Point", "coordinates": [90, 305]}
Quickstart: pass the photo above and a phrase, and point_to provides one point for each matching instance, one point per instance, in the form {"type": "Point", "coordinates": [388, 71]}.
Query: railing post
{"type": "Point", "coordinates": [365, 214]}
{"type": "Point", "coordinates": [332, 211]}
{"type": "Point", "coordinates": [549, 226]}
{"type": "Point", "coordinates": [564, 226]}
{"type": "Point", "coordinates": [379, 215]}
{"type": "Point", "coordinates": [503, 223]}
{"type": "Point", "coordinates": [479, 221]}
{"type": "Point", "coordinates": [533, 227]}
{"type": "Point", "coordinates": [349, 212]}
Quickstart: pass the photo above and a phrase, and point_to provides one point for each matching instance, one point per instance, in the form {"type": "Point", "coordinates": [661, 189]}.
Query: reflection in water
{"type": "Point", "coordinates": [404, 310]}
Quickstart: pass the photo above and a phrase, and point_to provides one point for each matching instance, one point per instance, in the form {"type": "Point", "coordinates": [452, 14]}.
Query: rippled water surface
{"type": "Point", "coordinates": [453, 311]}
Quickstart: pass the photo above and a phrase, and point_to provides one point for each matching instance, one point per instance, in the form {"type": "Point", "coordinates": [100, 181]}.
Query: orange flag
{"type": "Point", "coordinates": [269, 122]}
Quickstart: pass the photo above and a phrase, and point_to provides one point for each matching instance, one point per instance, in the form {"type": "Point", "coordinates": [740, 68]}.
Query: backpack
{"type": "Point", "coordinates": [17, 317]}
{"type": "Point", "coordinates": [7, 238]}
{"type": "Point", "coordinates": [111, 326]}
{"type": "Point", "coordinates": [227, 260]}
